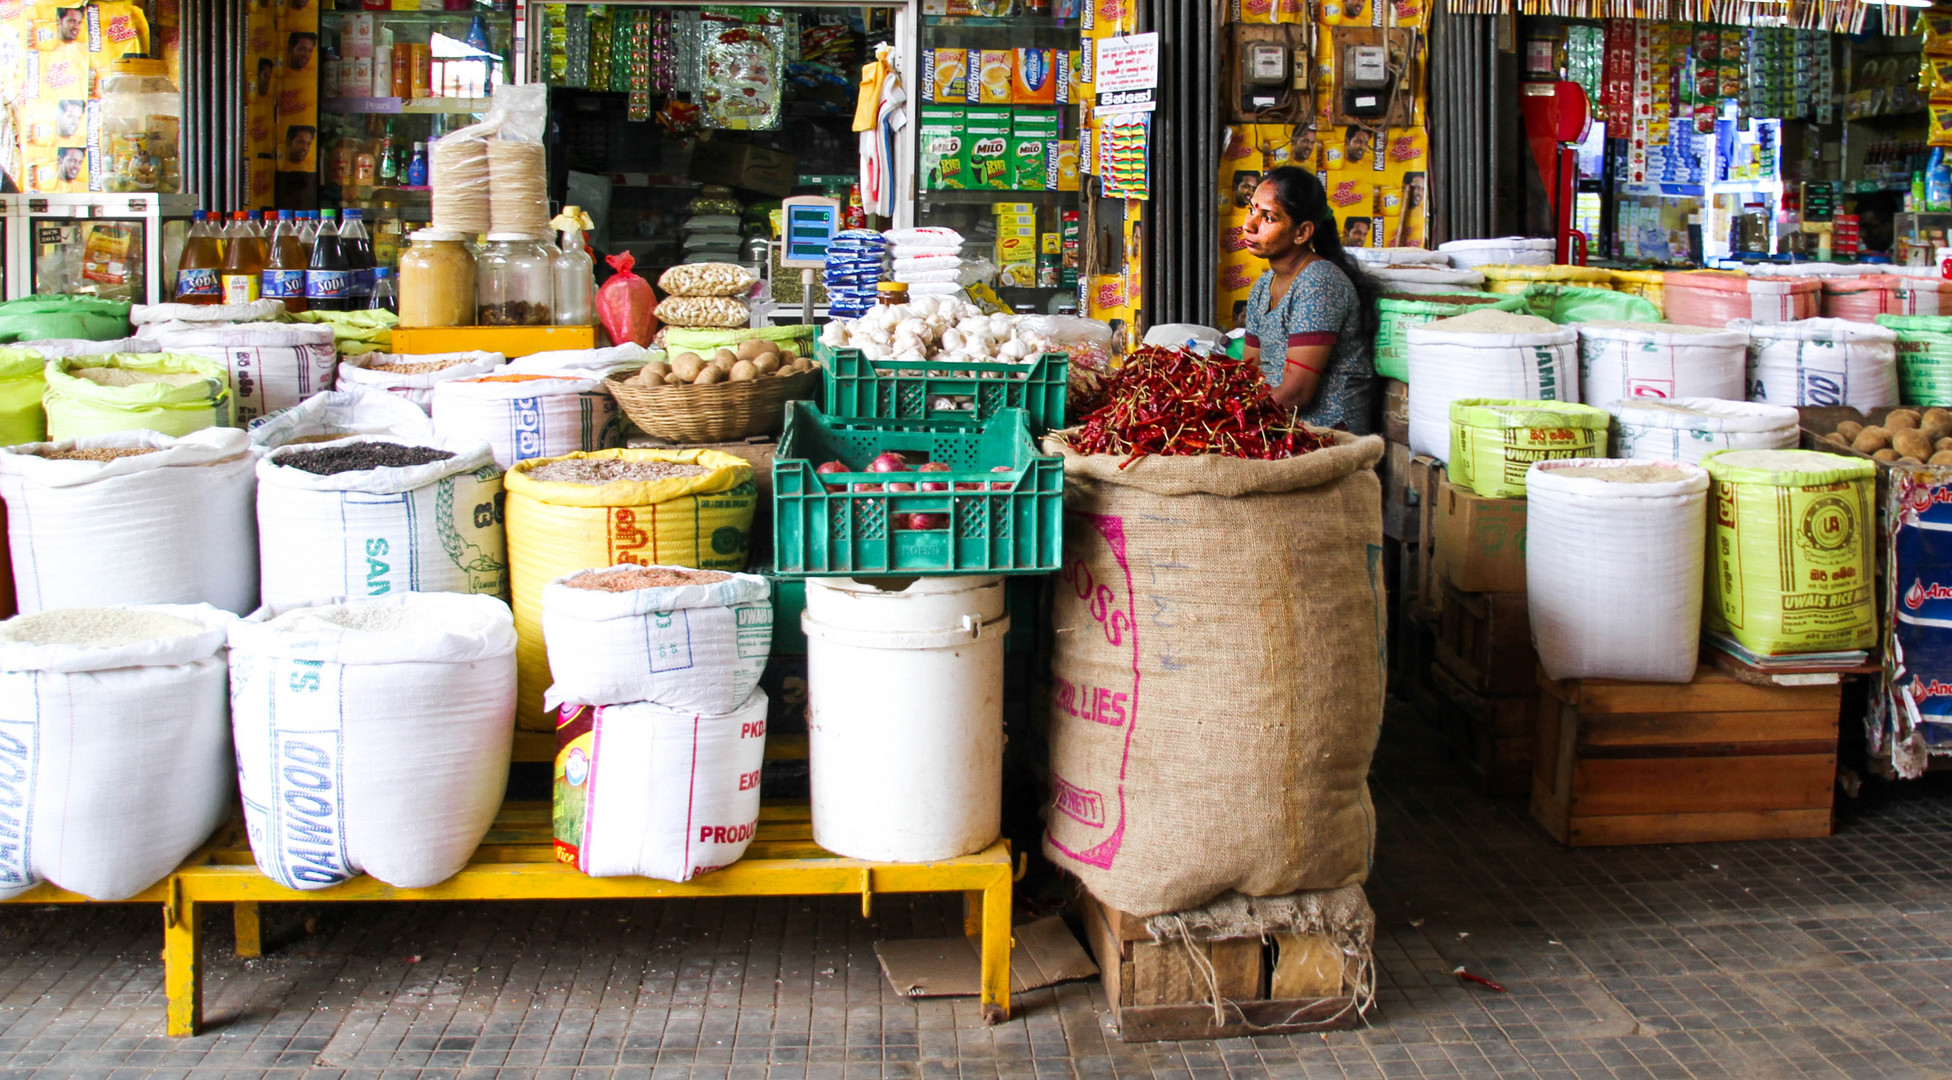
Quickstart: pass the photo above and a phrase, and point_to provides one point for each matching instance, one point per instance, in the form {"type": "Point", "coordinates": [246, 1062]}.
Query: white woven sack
{"type": "Point", "coordinates": [1399, 256]}
{"type": "Point", "coordinates": [671, 793]}
{"type": "Point", "coordinates": [687, 647]}
{"type": "Point", "coordinates": [416, 387]}
{"type": "Point", "coordinates": [1508, 250]}
{"type": "Point", "coordinates": [178, 526]}
{"type": "Point", "coordinates": [1618, 362]}
{"type": "Point", "coordinates": [55, 348]}
{"type": "Point", "coordinates": [377, 532]}
{"type": "Point", "coordinates": [1687, 429]}
{"type": "Point", "coordinates": [585, 363]}
{"type": "Point", "coordinates": [541, 418]}
{"type": "Point", "coordinates": [382, 752]}
{"type": "Point", "coordinates": [1445, 367]}
{"type": "Point", "coordinates": [272, 367]}
{"type": "Point", "coordinates": [1425, 281]}
{"type": "Point", "coordinates": [1613, 570]}
{"type": "Point", "coordinates": [1822, 362]}
{"type": "Point", "coordinates": [161, 314]}
{"type": "Point", "coordinates": [115, 761]}
{"type": "Point", "coordinates": [335, 413]}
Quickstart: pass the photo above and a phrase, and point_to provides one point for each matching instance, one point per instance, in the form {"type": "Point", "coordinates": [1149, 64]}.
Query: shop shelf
{"type": "Point", "coordinates": [390, 105]}
{"type": "Point", "coordinates": [848, 533]}
{"type": "Point", "coordinates": [858, 390]}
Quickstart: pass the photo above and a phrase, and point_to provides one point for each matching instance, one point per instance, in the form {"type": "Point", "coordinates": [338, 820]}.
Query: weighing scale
{"type": "Point", "coordinates": [810, 223]}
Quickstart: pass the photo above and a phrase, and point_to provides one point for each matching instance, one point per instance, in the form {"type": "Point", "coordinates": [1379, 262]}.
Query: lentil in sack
{"type": "Point", "coordinates": [683, 645]}
{"type": "Point", "coordinates": [700, 521]}
{"type": "Point", "coordinates": [526, 417]}
{"type": "Point", "coordinates": [336, 414]}
{"type": "Point", "coordinates": [373, 736]}
{"type": "Point", "coordinates": [1176, 774]}
{"type": "Point", "coordinates": [374, 529]}
{"type": "Point", "coordinates": [653, 791]}
{"type": "Point", "coordinates": [133, 518]}
{"type": "Point", "coordinates": [411, 376]}
{"type": "Point", "coordinates": [173, 393]}
{"type": "Point", "coordinates": [115, 754]}
{"type": "Point", "coordinates": [1791, 550]}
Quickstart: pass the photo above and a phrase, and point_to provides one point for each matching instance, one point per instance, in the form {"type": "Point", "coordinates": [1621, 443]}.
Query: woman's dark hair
{"type": "Point", "coordinates": [1303, 198]}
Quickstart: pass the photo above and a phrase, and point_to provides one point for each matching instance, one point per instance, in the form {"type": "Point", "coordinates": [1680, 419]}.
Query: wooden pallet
{"type": "Point", "coordinates": [1655, 763]}
{"type": "Point", "coordinates": [1485, 639]}
{"type": "Point", "coordinates": [1491, 736]}
{"type": "Point", "coordinates": [1289, 983]}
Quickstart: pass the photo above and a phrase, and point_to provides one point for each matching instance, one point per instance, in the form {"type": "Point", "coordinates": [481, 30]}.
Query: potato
{"type": "Point", "coordinates": [766, 365]}
{"type": "Point", "coordinates": [1907, 461]}
{"type": "Point", "coordinates": [1870, 440]}
{"type": "Point", "coordinates": [1886, 455]}
{"type": "Point", "coordinates": [1936, 427]}
{"type": "Point", "coordinates": [801, 363]}
{"type": "Point", "coordinates": [1943, 457]}
{"type": "Point", "coordinates": [657, 370]}
{"type": "Point", "coordinates": [1836, 440]}
{"type": "Point", "coordinates": [1911, 444]}
{"type": "Point", "coordinates": [1935, 413]}
{"type": "Point", "coordinates": [687, 367]}
{"type": "Point", "coordinates": [754, 348]}
{"type": "Point", "coordinates": [1943, 444]}
{"type": "Point", "coordinates": [710, 375]}
{"type": "Point", "coordinates": [674, 379]}
{"type": "Point", "coordinates": [787, 353]}
{"type": "Point", "coordinates": [727, 355]}
{"type": "Point", "coordinates": [1849, 429]}
{"type": "Point", "coordinates": [687, 355]}
{"type": "Point", "coordinates": [1901, 418]}
{"type": "Point", "coordinates": [743, 371]}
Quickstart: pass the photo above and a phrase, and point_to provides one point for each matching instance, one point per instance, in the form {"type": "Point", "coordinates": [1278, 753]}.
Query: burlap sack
{"type": "Point", "coordinates": [1217, 675]}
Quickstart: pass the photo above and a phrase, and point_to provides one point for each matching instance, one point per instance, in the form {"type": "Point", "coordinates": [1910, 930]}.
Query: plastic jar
{"type": "Point", "coordinates": [437, 280]}
{"type": "Point", "coordinates": [142, 116]}
{"type": "Point", "coordinates": [891, 293]}
{"type": "Point", "coordinates": [516, 281]}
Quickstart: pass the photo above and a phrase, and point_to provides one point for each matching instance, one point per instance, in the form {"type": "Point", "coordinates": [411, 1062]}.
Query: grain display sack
{"type": "Point", "coordinates": [1621, 360]}
{"type": "Point", "coordinates": [1687, 429]}
{"type": "Point", "coordinates": [56, 348]}
{"type": "Point", "coordinates": [175, 525]}
{"type": "Point", "coordinates": [174, 393]}
{"type": "Point", "coordinates": [413, 376]}
{"type": "Point", "coordinates": [1493, 443]}
{"type": "Point", "coordinates": [115, 759]}
{"type": "Point", "coordinates": [372, 737]}
{"type": "Point", "coordinates": [1564, 304]}
{"type": "Point", "coordinates": [23, 380]}
{"type": "Point", "coordinates": [1397, 312]}
{"type": "Point", "coordinates": [596, 364]}
{"type": "Point", "coordinates": [1157, 806]}
{"type": "Point", "coordinates": [357, 332]}
{"type": "Point", "coordinates": [1863, 299]}
{"type": "Point", "coordinates": [1513, 279]}
{"type": "Point", "coordinates": [1649, 285]}
{"type": "Point", "coordinates": [1422, 279]}
{"type": "Point", "coordinates": [271, 367]}
{"type": "Point", "coordinates": [1719, 298]}
{"type": "Point", "coordinates": [657, 792]}
{"type": "Point", "coordinates": [373, 532]}
{"type": "Point", "coordinates": [555, 529]}
{"type": "Point", "coordinates": [1823, 362]}
{"type": "Point", "coordinates": [683, 646]}
{"type": "Point", "coordinates": [177, 315]}
{"type": "Point", "coordinates": [526, 417]}
{"type": "Point", "coordinates": [336, 414]}
{"type": "Point", "coordinates": [32, 318]}
{"type": "Point", "coordinates": [1613, 568]}
{"type": "Point", "coordinates": [1499, 251]}
{"type": "Point", "coordinates": [1485, 354]}
{"type": "Point", "coordinates": [1924, 351]}
{"type": "Point", "coordinates": [1791, 550]}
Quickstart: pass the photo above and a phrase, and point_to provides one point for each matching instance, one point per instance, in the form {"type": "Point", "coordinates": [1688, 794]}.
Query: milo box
{"type": "Point", "coordinates": [944, 166]}
{"type": "Point", "coordinates": [1030, 163]}
{"type": "Point", "coordinates": [986, 149]}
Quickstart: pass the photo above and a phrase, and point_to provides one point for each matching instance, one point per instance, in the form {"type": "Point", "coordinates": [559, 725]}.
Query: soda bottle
{"type": "Point", "coordinates": [199, 271]}
{"type": "Point", "coordinates": [385, 296]}
{"type": "Point", "coordinates": [359, 256]}
{"type": "Point", "coordinates": [308, 230]}
{"type": "Point", "coordinates": [243, 263]}
{"type": "Point", "coordinates": [328, 280]}
{"type": "Point", "coordinates": [284, 265]}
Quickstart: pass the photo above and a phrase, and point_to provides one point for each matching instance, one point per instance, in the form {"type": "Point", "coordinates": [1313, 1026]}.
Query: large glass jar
{"type": "Point", "coordinates": [142, 115]}
{"type": "Point", "coordinates": [437, 280]}
{"type": "Point", "coordinates": [515, 280]}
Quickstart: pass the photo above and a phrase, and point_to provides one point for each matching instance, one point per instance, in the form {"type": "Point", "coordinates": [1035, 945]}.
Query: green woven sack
{"type": "Point", "coordinates": [22, 380]}
{"type": "Point", "coordinates": [1397, 313]}
{"type": "Point", "coordinates": [1924, 357]}
{"type": "Point", "coordinates": [37, 318]}
{"type": "Point", "coordinates": [174, 393]}
{"type": "Point", "coordinates": [1573, 303]}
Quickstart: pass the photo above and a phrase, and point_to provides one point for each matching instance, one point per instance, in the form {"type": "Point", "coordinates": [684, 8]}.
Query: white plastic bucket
{"type": "Point", "coordinates": [905, 716]}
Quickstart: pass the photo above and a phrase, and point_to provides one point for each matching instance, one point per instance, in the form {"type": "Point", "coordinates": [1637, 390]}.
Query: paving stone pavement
{"type": "Point", "coordinates": [1828, 958]}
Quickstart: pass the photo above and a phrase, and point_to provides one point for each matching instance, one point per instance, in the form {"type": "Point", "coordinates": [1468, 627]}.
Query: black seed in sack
{"type": "Point", "coordinates": [358, 457]}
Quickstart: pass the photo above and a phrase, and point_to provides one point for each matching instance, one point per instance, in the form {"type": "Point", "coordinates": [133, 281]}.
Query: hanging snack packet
{"type": "Point", "coordinates": [625, 304]}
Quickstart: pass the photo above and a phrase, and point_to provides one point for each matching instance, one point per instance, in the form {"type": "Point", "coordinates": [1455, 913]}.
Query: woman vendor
{"type": "Point", "coordinates": [1312, 316]}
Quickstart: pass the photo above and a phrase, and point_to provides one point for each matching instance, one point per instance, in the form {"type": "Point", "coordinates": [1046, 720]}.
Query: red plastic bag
{"type": "Point", "coordinates": [625, 303]}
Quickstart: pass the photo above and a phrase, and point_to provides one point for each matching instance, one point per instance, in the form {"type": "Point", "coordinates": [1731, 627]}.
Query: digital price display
{"type": "Point", "coordinates": [810, 221]}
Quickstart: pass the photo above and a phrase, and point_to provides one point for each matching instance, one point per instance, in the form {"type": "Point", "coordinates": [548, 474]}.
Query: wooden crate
{"type": "Point", "coordinates": [1396, 410]}
{"type": "Point", "coordinates": [1415, 656]}
{"type": "Point", "coordinates": [1491, 736]}
{"type": "Point", "coordinates": [1287, 983]}
{"type": "Point", "coordinates": [1485, 640]}
{"type": "Point", "coordinates": [1426, 475]}
{"type": "Point", "coordinates": [1656, 763]}
{"type": "Point", "coordinates": [1402, 516]}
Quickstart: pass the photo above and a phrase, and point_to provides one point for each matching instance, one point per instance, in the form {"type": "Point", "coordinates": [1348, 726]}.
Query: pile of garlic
{"type": "Point", "coordinates": [945, 328]}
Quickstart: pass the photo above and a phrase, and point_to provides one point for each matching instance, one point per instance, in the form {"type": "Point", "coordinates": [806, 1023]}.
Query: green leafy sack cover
{"type": "Point", "coordinates": [1572, 303]}
{"type": "Point", "coordinates": [174, 393]}
{"type": "Point", "coordinates": [35, 318]}
{"type": "Point", "coordinates": [355, 333]}
{"type": "Point", "coordinates": [679, 339]}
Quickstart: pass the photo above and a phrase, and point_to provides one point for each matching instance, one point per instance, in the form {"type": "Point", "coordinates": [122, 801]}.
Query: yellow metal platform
{"type": "Point", "coordinates": [510, 341]}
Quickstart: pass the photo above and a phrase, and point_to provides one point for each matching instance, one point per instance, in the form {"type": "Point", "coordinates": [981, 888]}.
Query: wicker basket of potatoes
{"type": "Point", "coordinates": [731, 394]}
{"type": "Point", "coordinates": [1904, 437]}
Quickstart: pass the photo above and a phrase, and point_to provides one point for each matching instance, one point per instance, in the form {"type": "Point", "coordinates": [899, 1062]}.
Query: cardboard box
{"type": "Point", "coordinates": [1480, 542]}
{"type": "Point", "coordinates": [943, 165]}
{"type": "Point", "coordinates": [1034, 77]}
{"type": "Point", "coordinates": [1030, 158]}
{"type": "Point", "coordinates": [742, 165]}
{"type": "Point", "coordinates": [946, 74]}
{"type": "Point", "coordinates": [991, 76]}
{"type": "Point", "coordinates": [1064, 165]}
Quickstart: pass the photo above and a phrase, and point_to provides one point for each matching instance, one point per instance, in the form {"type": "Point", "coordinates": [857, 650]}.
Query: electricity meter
{"type": "Point", "coordinates": [1266, 63]}
{"type": "Point", "coordinates": [1366, 67]}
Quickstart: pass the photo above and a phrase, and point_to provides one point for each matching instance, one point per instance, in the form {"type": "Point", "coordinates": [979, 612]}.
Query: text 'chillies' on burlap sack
{"type": "Point", "coordinates": [1217, 674]}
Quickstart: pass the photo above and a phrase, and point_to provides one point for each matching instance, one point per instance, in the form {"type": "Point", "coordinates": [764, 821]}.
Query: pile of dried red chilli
{"type": "Point", "coordinates": [1170, 401]}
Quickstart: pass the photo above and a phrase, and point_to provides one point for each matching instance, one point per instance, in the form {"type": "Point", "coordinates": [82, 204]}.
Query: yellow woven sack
{"type": "Point", "coordinates": [1493, 443]}
{"type": "Point", "coordinates": [174, 393]}
{"type": "Point", "coordinates": [1649, 285]}
{"type": "Point", "coordinates": [557, 529]}
{"type": "Point", "coordinates": [1790, 550]}
{"type": "Point", "coordinates": [1506, 279]}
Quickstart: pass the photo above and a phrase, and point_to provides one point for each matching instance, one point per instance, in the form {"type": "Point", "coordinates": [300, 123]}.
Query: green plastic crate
{"type": "Point", "coordinates": [910, 390]}
{"type": "Point", "coordinates": [847, 533]}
